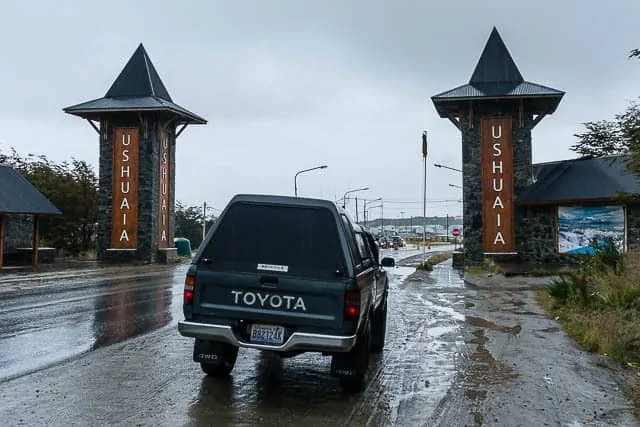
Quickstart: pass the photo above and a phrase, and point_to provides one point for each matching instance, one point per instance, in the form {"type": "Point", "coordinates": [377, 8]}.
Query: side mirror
{"type": "Point", "coordinates": [388, 262]}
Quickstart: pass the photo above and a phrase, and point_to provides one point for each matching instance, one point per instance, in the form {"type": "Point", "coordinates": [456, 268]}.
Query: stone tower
{"type": "Point", "coordinates": [138, 124]}
{"type": "Point", "coordinates": [495, 113]}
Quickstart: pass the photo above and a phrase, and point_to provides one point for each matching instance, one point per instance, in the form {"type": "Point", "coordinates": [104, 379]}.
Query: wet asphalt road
{"type": "Point", "coordinates": [40, 330]}
{"type": "Point", "coordinates": [455, 356]}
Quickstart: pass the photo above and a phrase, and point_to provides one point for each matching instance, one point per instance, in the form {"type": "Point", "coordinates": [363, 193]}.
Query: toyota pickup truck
{"type": "Point", "coordinates": [287, 275]}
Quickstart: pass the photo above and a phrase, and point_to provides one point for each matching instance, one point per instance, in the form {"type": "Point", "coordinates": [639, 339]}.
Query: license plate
{"type": "Point", "coordinates": [267, 334]}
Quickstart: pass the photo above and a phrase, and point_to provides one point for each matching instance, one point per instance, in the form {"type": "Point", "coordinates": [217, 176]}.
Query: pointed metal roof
{"type": "Point", "coordinates": [496, 76]}
{"type": "Point", "coordinates": [137, 88]}
{"type": "Point", "coordinates": [138, 78]}
{"type": "Point", "coordinates": [495, 64]}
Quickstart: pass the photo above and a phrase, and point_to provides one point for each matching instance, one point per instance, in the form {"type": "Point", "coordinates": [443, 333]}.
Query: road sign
{"type": "Point", "coordinates": [455, 232]}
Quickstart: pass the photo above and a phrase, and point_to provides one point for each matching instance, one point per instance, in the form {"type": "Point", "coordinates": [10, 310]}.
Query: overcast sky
{"type": "Point", "coordinates": [288, 85]}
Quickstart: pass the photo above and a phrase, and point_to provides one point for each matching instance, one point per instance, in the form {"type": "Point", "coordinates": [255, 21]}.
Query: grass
{"type": "Point", "coordinates": [541, 272]}
{"type": "Point", "coordinates": [433, 260]}
{"type": "Point", "coordinates": [599, 307]}
{"type": "Point", "coordinates": [90, 255]}
{"type": "Point", "coordinates": [474, 270]}
{"type": "Point", "coordinates": [418, 242]}
{"type": "Point", "coordinates": [488, 266]}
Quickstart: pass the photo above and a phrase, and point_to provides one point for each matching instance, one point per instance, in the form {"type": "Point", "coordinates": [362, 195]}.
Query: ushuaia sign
{"type": "Point", "coordinates": [497, 185]}
{"type": "Point", "coordinates": [125, 189]}
{"type": "Point", "coordinates": [165, 180]}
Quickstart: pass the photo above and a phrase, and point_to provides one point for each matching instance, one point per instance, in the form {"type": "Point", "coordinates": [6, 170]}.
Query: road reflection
{"type": "Point", "coordinates": [133, 307]}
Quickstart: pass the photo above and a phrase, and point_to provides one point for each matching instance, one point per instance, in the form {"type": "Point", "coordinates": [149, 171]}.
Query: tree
{"type": "Point", "coordinates": [188, 220]}
{"type": "Point", "coordinates": [614, 137]}
{"type": "Point", "coordinates": [73, 188]}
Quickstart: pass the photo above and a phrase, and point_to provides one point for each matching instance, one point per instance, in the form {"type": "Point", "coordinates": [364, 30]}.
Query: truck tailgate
{"type": "Point", "coordinates": [270, 298]}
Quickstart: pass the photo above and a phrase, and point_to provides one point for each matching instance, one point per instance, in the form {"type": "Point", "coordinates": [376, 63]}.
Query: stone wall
{"type": "Point", "coordinates": [18, 232]}
{"type": "Point", "coordinates": [148, 189]}
{"type": "Point", "coordinates": [536, 235]}
{"type": "Point", "coordinates": [472, 169]}
{"type": "Point", "coordinates": [633, 227]}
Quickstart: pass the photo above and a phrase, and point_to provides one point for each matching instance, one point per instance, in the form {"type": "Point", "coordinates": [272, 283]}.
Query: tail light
{"type": "Point", "coordinates": [189, 282]}
{"type": "Point", "coordinates": [352, 306]}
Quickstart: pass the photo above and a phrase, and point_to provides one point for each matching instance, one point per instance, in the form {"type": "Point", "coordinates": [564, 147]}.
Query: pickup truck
{"type": "Point", "coordinates": [287, 275]}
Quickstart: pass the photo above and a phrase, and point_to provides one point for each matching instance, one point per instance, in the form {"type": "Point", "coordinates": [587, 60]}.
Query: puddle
{"type": "Point", "coordinates": [483, 323]}
{"type": "Point", "coordinates": [526, 313]}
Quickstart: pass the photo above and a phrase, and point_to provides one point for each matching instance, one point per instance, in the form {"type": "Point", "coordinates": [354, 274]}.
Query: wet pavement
{"type": "Point", "coordinates": [455, 356]}
{"type": "Point", "coordinates": [46, 321]}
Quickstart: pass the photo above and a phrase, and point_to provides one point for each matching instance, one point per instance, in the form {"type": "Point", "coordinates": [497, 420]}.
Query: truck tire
{"type": "Point", "coordinates": [358, 358]}
{"type": "Point", "coordinates": [379, 327]}
{"type": "Point", "coordinates": [223, 368]}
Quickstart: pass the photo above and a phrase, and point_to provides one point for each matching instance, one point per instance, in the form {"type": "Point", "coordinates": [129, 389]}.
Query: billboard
{"type": "Point", "coordinates": [497, 184]}
{"type": "Point", "coordinates": [578, 226]}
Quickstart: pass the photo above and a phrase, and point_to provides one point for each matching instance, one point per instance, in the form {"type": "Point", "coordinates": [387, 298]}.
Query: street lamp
{"type": "Point", "coordinates": [295, 178]}
{"type": "Point", "coordinates": [455, 186]}
{"type": "Point", "coordinates": [344, 198]}
{"type": "Point", "coordinates": [447, 167]}
{"type": "Point", "coordinates": [381, 205]}
{"type": "Point", "coordinates": [379, 199]}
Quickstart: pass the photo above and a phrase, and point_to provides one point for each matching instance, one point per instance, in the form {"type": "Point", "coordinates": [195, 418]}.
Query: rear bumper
{"type": "Point", "coordinates": [300, 341]}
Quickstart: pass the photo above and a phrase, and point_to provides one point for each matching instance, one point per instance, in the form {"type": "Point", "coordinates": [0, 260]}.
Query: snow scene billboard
{"type": "Point", "coordinates": [578, 226]}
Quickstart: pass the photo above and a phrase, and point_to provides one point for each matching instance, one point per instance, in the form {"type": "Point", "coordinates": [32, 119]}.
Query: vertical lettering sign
{"type": "Point", "coordinates": [497, 184]}
{"type": "Point", "coordinates": [164, 189]}
{"type": "Point", "coordinates": [124, 219]}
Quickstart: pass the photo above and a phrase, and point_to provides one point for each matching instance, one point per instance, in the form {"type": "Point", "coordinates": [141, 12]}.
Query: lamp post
{"type": "Point", "coordinates": [344, 198]}
{"type": "Point", "coordinates": [381, 205]}
{"type": "Point", "coordinates": [379, 199]}
{"type": "Point", "coordinates": [447, 167]}
{"type": "Point", "coordinates": [424, 204]}
{"type": "Point", "coordinates": [295, 178]}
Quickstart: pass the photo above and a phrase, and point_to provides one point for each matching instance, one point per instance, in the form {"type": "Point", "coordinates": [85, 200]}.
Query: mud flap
{"type": "Point", "coordinates": [345, 365]}
{"type": "Point", "coordinates": [353, 364]}
{"type": "Point", "coordinates": [209, 352]}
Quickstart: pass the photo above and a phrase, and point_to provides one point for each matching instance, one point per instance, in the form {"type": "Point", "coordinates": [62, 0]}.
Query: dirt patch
{"type": "Point", "coordinates": [484, 370]}
{"type": "Point", "coordinates": [633, 390]}
{"type": "Point", "coordinates": [479, 338]}
{"type": "Point", "coordinates": [483, 323]}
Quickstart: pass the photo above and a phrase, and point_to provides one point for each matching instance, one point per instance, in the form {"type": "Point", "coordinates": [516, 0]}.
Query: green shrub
{"type": "Point", "coordinates": [425, 265]}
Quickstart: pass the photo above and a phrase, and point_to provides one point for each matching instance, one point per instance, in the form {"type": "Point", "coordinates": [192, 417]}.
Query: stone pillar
{"type": "Point", "coordinates": [135, 223]}
{"type": "Point", "coordinates": [138, 121]}
{"type": "Point", "coordinates": [475, 222]}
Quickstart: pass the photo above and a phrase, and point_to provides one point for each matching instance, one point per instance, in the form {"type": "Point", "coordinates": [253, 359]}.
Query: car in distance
{"type": "Point", "coordinates": [287, 275]}
{"type": "Point", "coordinates": [398, 242]}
